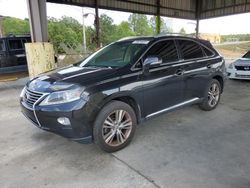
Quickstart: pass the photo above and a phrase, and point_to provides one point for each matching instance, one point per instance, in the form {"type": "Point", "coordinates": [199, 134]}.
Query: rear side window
{"type": "Point", "coordinates": [15, 44]}
{"type": "Point", "coordinates": [190, 49]}
{"type": "Point", "coordinates": [1, 45]}
{"type": "Point", "coordinates": [165, 50]}
{"type": "Point", "coordinates": [208, 52]}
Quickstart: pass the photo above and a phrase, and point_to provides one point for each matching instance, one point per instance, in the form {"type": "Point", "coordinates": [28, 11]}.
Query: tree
{"type": "Point", "coordinates": [182, 31]}
{"type": "Point", "coordinates": [123, 30]}
{"type": "Point", "coordinates": [107, 29]}
{"type": "Point", "coordinates": [164, 27]}
{"type": "Point", "coordinates": [139, 24]}
{"type": "Point", "coordinates": [15, 26]}
{"type": "Point", "coordinates": [66, 30]}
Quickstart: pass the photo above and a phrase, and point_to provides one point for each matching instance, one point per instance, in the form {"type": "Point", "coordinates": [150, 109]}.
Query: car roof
{"type": "Point", "coordinates": [159, 37]}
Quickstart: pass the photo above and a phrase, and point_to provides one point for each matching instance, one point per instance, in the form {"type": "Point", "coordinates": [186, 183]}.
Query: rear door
{"type": "Point", "coordinates": [197, 66]}
{"type": "Point", "coordinates": [2, 52]}
{"type": "Point", "coordinates": [163, 85]}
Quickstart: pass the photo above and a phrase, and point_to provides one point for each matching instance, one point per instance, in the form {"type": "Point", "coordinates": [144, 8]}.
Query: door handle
{"type": "Point", "coordinates": [179, 72]}
{"type": "Point", "coordinates": [209, 66]}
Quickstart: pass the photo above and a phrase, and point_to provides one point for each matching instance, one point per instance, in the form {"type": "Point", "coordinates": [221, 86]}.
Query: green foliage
{"type": "Point", "coordinates": [139, 25]}
{"type": "Point", "coordinates": [15, 26]}
{"type": "Point", "coordinates": [182, 31]}
{"type": "Point", "coordinates": [107, 29]}
{"type": "Point", "coordinates": [66, 30]}
{"type": "Point", "coordinates": [164, 27]}
{"type": "Point", "coordinates": [123, 30]}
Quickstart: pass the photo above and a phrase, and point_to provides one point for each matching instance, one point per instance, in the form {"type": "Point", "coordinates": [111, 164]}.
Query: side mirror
{"type": "Point", "coordinates": [152, 61]}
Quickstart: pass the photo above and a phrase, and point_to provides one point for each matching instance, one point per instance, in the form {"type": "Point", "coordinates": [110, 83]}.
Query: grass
{"type": "Point", "coordinates": [233, 51]}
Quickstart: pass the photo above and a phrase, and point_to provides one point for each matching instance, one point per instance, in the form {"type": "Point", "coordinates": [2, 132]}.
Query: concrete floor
{"type": "Point", "coordinates": [188, 148]}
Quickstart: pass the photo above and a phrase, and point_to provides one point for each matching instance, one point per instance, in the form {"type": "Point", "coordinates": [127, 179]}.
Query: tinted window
{"type": "Point", "coordinates": [190, 49]}
{"type": "Point", "coordinates": [15, 44]}
{"type": "Point", "coordinates": [208, 52]}
{"type": "Point", "coordinates": [115, 55]}
{"type": "Point", "coordinates": [247, 55]}
{"type": "Point", "coordinates": [165, 50]}
{"type": "Point", "coordinates": [1, 45]}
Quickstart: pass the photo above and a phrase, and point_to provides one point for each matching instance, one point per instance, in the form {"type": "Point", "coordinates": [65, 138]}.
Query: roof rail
{"type": "Point", "coordinates": [133, 37]}
{"type": "Point", "coordinates": [176, 34]}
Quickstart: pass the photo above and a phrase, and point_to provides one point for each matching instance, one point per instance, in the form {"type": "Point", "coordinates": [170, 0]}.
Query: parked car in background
{"type": "Point", "coordinates": [12, 51]}
{"type": "Point", "coordinates": [240, 69]}
{"type": "Point", "coordinates": [105, 96]}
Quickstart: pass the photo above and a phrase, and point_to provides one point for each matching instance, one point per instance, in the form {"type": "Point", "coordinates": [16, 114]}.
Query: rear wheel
{"type": "Point", "coordinates": [212, 96]}
{"type": "Point", "coordinates": [114, 126]}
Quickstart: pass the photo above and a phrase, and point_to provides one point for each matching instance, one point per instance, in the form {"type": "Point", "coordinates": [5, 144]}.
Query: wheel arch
{"type": "Point", "coordinates": [220, 80]}
{"type": "Point", "coordinates": [126, 98]}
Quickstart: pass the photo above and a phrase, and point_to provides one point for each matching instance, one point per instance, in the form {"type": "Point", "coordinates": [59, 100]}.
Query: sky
{"type": "Point", "coordinates": [236, 24]}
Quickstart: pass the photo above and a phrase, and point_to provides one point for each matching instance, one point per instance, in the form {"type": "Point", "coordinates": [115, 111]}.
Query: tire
{"type": "Point", "coordinates": [114, 126]}
{"type": "Point", "coordinates": [215, 95]}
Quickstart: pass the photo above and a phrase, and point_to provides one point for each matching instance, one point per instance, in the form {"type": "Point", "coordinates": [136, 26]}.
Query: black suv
{"type": "Point", "coordinates": [105, 96]}
{"type": "Point", "coordinates": [12, 51]}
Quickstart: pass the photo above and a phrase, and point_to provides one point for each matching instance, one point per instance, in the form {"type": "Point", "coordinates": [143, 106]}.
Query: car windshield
{"type": "Point", "coordinates": [115, 55]}
{"type": "Point", "coordinates": [247, 55]}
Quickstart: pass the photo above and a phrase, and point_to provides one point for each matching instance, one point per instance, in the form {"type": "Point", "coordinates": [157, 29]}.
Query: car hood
{"type": "Point", "coordinates": [242, 62]}
{"type": "Point", "coordinates": [69, 76]}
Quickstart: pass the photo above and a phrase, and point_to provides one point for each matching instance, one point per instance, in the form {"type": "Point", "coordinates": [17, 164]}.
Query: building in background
{"type": "Point", "coordinates": [213, 38]}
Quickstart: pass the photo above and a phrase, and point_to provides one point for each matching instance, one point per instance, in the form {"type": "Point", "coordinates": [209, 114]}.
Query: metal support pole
{"type": "Point", "coordinates": [97, 24]}
{"type": "Point", "coordinates": [158, 18]}
{"type": "Point", "coordinates": [197, 28]}
{"type": "Point", "coordinates": [38, 20]}
{"type": "Point", "coordinates": [84, 33]}
{"type": "Point", "coordinates": [197, 15]}
{"type": "Point", "coordinates": [1, 30]}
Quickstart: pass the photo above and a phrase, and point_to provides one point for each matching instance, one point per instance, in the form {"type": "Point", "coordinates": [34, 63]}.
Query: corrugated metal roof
{"type": "Point", "coordinates": [171, 8]}
{"type": "Point", "coordinates": [215, 8]}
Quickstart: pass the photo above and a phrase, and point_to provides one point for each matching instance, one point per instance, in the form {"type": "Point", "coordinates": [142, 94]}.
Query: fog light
{"type": "Point", "coordinates": [64, 121]}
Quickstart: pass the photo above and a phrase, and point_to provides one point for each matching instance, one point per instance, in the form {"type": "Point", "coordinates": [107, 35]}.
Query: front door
{"type": "Point", "coordinates": [163, 85]}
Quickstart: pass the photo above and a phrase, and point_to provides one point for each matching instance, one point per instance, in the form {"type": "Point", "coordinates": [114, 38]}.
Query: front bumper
{"type": "Point", "coordinates": [45, 118]}
{"type": "Point", "coordinates": [236, 74]}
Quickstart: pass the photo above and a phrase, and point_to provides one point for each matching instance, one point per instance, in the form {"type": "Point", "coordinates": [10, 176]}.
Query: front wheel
{"type": "Point", "coordinates": [114, 126]}
{"type": "Point", "coordinates": [212, 96]}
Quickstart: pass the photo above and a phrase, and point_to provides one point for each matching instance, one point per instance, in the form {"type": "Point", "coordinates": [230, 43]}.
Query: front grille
{"type": "Point", "coordinates": [30, 97]}
{"type": "Point", "coordinates": [242, 76]}
{"type": "Point", "coordinates": [243, 68]}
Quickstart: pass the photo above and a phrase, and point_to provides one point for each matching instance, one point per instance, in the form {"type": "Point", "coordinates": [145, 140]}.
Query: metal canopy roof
{"type": "Point", "coordinates": [187, 9]}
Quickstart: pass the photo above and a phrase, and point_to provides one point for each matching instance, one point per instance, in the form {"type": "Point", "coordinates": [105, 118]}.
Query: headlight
{"type": "Point", "coordinates": [231, 66]}
{"type": "Point", "coordinates": [62, 97]}
{"type": "Point", "coordinates": [22, 92]}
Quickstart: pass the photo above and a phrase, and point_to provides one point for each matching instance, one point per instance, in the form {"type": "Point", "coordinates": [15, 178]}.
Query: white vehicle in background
{"type": "Point", "coordinates": [240, 69]}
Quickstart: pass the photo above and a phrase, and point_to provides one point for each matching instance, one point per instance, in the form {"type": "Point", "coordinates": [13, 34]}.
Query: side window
{"type": "Point", "coordinates": [15, 44]}
{"type": "Point", "coordinates": [165, 50]}
{"type": "Point", "coordinates": [207, 51]}
{"type": "Point", "coordinates": [1, 45]}
{"type": "Point", "coordinates": [190, 49]}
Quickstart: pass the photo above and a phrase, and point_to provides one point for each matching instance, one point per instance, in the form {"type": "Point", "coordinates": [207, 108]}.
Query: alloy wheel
{"type": "Point", "coordinates": [117, 127]}
{"type": "Point", "coordinates": [213, 95]}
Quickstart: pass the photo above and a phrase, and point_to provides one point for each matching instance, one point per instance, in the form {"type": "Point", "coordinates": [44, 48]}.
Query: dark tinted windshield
{"type": "Point", "coordinates": [247, 55]}
{"type": "Point", "coordinates": [116, 55]}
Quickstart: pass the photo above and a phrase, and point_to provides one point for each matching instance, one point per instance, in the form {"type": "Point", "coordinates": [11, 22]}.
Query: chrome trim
{"type": "Point", "coordinates": [34, 111]}
{"type": "Point", "coordinates": [174, 39]}
{"type": "Point", "coordinates": [173, 107]}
